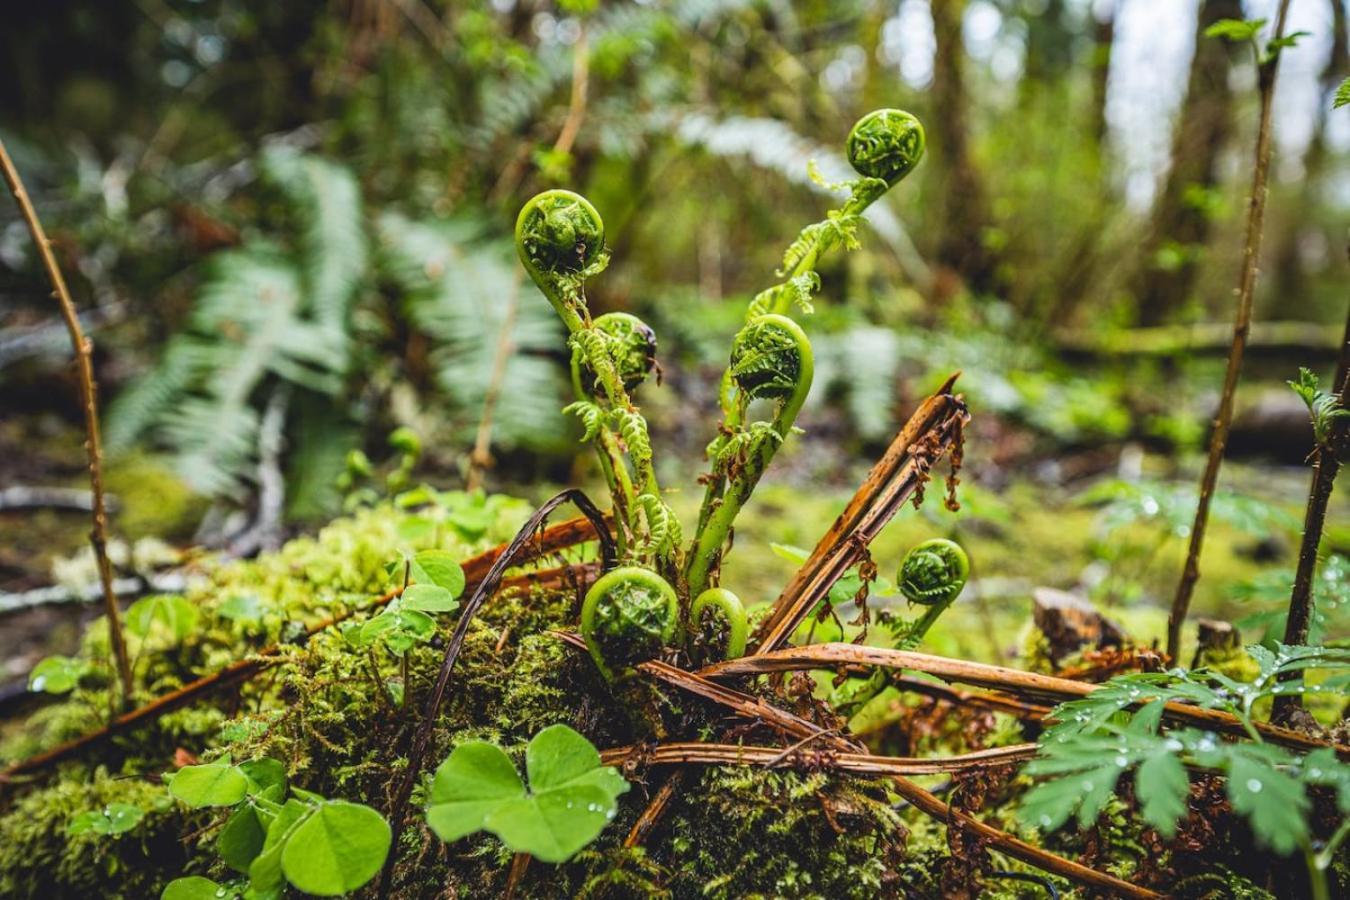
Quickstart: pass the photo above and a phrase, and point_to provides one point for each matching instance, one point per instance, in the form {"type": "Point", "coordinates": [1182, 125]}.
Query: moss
{"type": "Point", "coordinates": [38, 858]}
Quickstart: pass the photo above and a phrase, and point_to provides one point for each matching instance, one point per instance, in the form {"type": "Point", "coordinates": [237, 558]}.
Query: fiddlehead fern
{"type": "Point", "coordinates": [717, 624]}
{"type": "Point", "coordinates": [628, 615]}
{"type": "Point", "coordinates": [561, 241]}
{"type": "Point", "coordinates": [886, 144]}
{"type": "Point", "coordinates": [932, 574]}
{"type": "Point", "coordinates": [770, 360]}
{"type": "Point", "coordinates": [883, 147]}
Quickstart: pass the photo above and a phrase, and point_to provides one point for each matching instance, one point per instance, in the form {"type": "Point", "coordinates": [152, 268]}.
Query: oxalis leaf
{"type": "Point", "coordinates": [194, 887]}
{"type": "Point", "coordinates": [438, 568]}
{"type": "Point", "coordinates": [571, 797]}
{"type": "Point", "coordinates": [114, 818]}
{"type": "Point", "coordinates": [212, 784]}
{"type": "Point", "coordinates": [337, 849]}
{"type": "Point", "coordinates": [55, 675]}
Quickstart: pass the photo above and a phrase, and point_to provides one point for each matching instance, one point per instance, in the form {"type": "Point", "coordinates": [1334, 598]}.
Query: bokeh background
{"type": "Point", "coordinates": [288, 226]}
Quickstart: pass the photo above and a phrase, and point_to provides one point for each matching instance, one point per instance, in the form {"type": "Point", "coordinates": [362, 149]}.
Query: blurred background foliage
{"type": "Point", "coordinates": [288, 225]}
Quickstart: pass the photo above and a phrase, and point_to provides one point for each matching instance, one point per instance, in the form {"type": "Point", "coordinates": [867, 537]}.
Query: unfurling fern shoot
{"type": "Point", "coordinates": [883, 147]}
{"type": "Point", "coordinates": [770, 360]}
{"type": "Point", "coordinates": [628, 615]}
{"type": "Point", "coordinates": [932, 574]}
{"type": "Point", "coordinates": [561, 241]}
{"type": "Point", "coordinates": [717, 626]}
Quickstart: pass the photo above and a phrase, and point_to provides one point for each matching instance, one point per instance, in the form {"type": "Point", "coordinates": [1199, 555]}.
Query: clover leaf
{"type": "Point", "coordinates": [211, 784]}
{"type": "Point", "coordinates": [336, 849]}
{"type": "Point", "coordinates": [114, 818]}
{"type": "Point", "coordinates": [438, 568]}
{"type": "Point", "coordinates": [56, 675]}
{"type": "Point", "coordinates": [430, 598]}
{"type": "Point", "coordinates": [571, 796]}
{"type": "Point", "coordinates": [194, 887]}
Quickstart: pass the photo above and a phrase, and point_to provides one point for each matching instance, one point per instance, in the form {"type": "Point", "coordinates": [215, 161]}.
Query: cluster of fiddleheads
{"type": "Point", "coordinates": [632, 612]}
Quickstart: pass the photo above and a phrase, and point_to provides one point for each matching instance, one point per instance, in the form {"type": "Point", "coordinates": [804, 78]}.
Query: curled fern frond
{"type": "Point", "coordinates": [770, 358]}
{"type": "Point", "coordinates": [591, 415]}
{"type": "Point", "coordinates": [630, 343]}
{"type": "Point", "coordinates": [628, 615]}
{"type": "Point", "coordinates": [886, 144]}
{"type": "Point", "coordinates": [718, 625]}
{"type": "Point", "coordinates": [663, 533]}
{"type": "Point", "coordinates": [934, 572]}
{"type": "Point", "coordinates": [561, 241]}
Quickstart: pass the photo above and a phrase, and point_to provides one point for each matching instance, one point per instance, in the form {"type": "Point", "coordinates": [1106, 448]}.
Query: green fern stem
{"type": "Point", "coordinates": [771, 359]}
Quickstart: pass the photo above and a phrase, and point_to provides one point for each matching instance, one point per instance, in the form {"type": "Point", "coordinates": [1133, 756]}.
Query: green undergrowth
{"type": "Point", "coordinates": [339, 717]}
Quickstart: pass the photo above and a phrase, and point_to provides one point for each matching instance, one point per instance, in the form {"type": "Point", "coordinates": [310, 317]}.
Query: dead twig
{"type": "Point", "coordinates": [480, 458]}
{"type": "Point", "coordinates": [687, 752]}
{"type": "Point", "coordinates": [84, 357]}
{"type": "Point", "coordinates": [999, 678]}
{"type": "Point", "coordinates": [1251, 252]}
{"type": "Point", "coordinates": [933, 430]}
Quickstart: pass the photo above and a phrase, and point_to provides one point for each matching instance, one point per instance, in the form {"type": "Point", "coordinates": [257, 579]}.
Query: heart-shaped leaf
{"type": "Point", "coordinates": [439, 568]}
{"type": "Point", "coordinates": [212, 784]}
{"type": "Point", "coordinates": [571, 799]}
{"type": "Point", "coordinates": [429, 598]}
{"type": "Point", "coordinates": [194, 887]}
{"type": "Point", "coordinates": [114, 818]}
{"type": "Point", "coordinates": [337, 849]}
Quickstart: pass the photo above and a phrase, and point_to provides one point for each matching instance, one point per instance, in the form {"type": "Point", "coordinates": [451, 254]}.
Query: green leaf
{"type": "Point", "coordinates": [264, 873]}
{"type": "Point", "coordinates": [439, 568]}
{"type": "Point", "coordinates": [241, 840]}
{"type": "Point", "coordinates": [1236, 29]}
{"type": "Point", "coordinates": [264, 774]}
{"type": "Point", "coordinates": [242, 608]}
{"type": "Point", "coordinates": [212, 784]}
{"type": "Point", "coordinates": [55, 675]}
{"type": "Point", "coordinates": [1323, 767]}
{"type": "Point", "coordinates": [115, 818]}
{"type": "Point", "coordinates": [176, 616]}
{"type": "Point", "coordinates": [1342, 97]}
{"type": "Point", "coordinates": [1162, 788]}
{"type": "Point", "coordinates": [1275, 45]}
{"type": "Point", "coordinates": [475, 778]}
{"type": "Point", "coordinates": [194, 887]}
{"type": "Point", "coordinates": [337, 849]}
{"type": "Point", "coordinates": [1274, 803]}
{"type": "Point", "coordinates": [429, 598]}
{"type": "Point", "coordinates": [572, 796]}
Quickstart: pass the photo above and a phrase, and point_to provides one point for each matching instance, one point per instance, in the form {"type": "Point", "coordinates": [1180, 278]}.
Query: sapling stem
{"type": "Point", "coordinates": [1251, 252]}
{"type": "Point", "coordinates": [93, 444]}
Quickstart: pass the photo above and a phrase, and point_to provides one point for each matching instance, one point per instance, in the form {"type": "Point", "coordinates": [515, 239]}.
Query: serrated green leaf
{"type": "Point", "coordinates": [1342, 97]}
{"type": "Point", "coordinates": [1162, 787]}
{"type": "Point", "coordinates": [1273, 802]}
{"type": "Point", "coordinates": [1324, 768]}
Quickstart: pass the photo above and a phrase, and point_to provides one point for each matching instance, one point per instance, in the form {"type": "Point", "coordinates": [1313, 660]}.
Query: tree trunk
{"type": "Point", "coordinates": [964, 204]}
{"type": "Point", "coordinates": [1291, 279]}
{"type": "Point", "coordinates": [1180, 225]}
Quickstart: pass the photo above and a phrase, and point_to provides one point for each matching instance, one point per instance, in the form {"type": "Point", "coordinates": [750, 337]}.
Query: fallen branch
{"type": "Point", "coordinates": [84, 357]}
{"type": "Point", "coordinates": [933, 431]}
{"type": "Point", "coordinates": [565, 534]}
{"type": "Point", "coordinates": [999, 678]}
{"type": "Point", "coordinates": [679, 753]}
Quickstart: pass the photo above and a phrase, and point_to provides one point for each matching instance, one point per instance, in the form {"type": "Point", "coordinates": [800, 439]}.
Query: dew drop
{"type": "Point", "coordinates": [1122, 761]}
{"type": "Point", "coordinates": [1254, 785]}
{"type": "Point", "coordinates": [1045, 821]}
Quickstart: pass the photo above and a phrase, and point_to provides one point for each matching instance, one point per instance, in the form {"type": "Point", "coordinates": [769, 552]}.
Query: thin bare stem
{"type": "Point", "coordinates": [481, 456]}
{"type": "Point", "coordinates": [1251, 252]}
{"type": "Point", "coordinates": [93, 445]}
{"type": "Point", "coordinates": [802, 754]}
